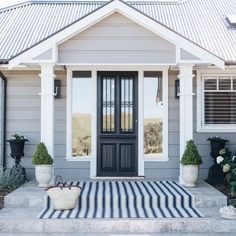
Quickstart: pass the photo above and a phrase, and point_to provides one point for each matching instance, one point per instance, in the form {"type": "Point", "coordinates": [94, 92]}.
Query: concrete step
{"type": "Point", "coordinates": [27, 196]}
{"type": "Point", "coordinates": [30, 196]}
{"type": "Point", "coordinates": [24, 221]}
{"type": "Point", "coordinates": [126, 234]}
{"type": "Point", "coordinates": [208, 196]}
{"type": "Point", "coordinates": [123, 234]}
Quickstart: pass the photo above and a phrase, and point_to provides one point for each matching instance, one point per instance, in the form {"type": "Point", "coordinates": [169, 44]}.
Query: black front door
{"type": "Point", "coordinates": [117, 124]}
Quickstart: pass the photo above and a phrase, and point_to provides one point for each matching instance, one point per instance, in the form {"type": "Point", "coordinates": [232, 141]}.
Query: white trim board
{"type": "Point", "coordinates": [132, 14]}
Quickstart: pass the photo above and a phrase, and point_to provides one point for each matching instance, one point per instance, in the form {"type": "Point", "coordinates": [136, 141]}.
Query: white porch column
{"type": "Point", "coordinates": [47, 107]}
{"type": "Point", "coordinates": [186, 107]}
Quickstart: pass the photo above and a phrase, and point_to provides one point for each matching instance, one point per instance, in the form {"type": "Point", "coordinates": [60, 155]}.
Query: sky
{"type": "Point", "coordinates": [6, 3]}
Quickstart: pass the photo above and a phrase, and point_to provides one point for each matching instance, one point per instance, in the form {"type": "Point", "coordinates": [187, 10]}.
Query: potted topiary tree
{"type": "Point", "coordinates": [190, 164]}
{"type": "Point", "coordinates": [43, 165]}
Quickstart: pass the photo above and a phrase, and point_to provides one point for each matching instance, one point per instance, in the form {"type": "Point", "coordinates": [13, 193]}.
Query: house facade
{"type": "Point", "coordinates": [116, 88]}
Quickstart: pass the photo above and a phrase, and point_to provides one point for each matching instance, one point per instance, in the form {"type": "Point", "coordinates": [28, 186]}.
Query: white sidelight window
{"type": "Point", "coordinates": [218, 101]}
{"type": "Point", "coordinates": [81, 118]}
{"type": "Point", "coordinates": [153, 114]}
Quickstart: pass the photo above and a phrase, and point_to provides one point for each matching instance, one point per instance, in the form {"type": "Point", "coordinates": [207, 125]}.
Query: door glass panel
{"type": "Point", "coordinates": [108, 104]}
{"type": "Point", "coordinates": [126, 104]}
{"type": "Point", "coordinates": [81, 116]}
{"type": "Point", "coordinates": [153, 122]}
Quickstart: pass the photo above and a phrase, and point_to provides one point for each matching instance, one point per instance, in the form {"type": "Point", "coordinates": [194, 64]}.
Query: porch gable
{"type": "Point", "coordinates": [129, 12]}
{"type": "Point", "coordinates": [117, 40]}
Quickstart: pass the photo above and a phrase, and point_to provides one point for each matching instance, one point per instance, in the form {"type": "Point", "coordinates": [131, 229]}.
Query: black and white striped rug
{"type": "Point", "coordinates": [128, 199]}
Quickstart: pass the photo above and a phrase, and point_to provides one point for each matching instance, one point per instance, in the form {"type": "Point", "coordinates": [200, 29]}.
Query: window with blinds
{"type": "Point", "coordinates": [219, 100]}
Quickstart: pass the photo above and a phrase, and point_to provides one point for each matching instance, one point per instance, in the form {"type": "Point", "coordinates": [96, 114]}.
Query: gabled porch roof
{"type": "Point", "coordinates": [99, 11]}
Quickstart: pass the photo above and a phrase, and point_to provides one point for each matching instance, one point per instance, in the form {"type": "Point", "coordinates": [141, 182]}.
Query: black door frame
{"type": "Point", "coordinates": [117, 111]}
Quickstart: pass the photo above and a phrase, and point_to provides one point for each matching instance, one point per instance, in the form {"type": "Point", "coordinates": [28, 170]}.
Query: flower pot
{"type": "Point", "coordinates": [216, 146]}
{"type": "Point", "coordinates": [215, 175]}
{"type": "Point", "coordinates": [190, 175]}
{"type": "Point", "coordinates": [43, 174]}
{"type": "Point", "coordinates": [228, 212]}
{"type": "Point", "coordinates": [17, 147]}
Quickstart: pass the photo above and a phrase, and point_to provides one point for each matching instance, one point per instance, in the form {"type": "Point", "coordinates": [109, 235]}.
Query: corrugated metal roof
{"type": "Point", "coordinates": [201, 21]}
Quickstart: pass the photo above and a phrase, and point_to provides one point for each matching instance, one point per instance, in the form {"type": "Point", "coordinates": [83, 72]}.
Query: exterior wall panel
{"type": "Point", "coordinates": [187, 56]}
{"type": "Point", "coordinates": [1, 118]}
{"type": "Point", "coordinates": [116, 40]}
{"type": "Point", "coordinates": [45, 55]}
{"type": "Point", "coordinates": [23, 115]}
{"type": "Point", "coordinates": [170, 169]}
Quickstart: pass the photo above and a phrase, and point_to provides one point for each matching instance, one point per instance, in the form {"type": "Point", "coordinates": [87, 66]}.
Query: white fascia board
{"type": "Point", "coordinates": [129, 12]}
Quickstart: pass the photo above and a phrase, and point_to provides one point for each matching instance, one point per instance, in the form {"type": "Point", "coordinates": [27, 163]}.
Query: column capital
{"type": "Point", "coordinates": [185, 71]}
{"type": "Point", "coordinates": [47, 70]}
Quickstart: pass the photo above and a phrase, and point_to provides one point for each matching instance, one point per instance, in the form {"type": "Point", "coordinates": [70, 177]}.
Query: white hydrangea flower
{"type": "Point", "coordinates": [226, 168]}
{"type": "Point", "coordinates": [222, 151]}
{"type": "Point", "coordinates": [219, 159]}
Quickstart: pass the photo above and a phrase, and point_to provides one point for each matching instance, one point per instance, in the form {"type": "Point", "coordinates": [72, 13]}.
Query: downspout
{"type": "Point", "coordinates": [4, 119]}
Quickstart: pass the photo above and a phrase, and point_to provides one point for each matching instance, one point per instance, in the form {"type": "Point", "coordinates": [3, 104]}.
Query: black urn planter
{"type": "Point", "coordinates": [216, 175]}
{"type": "Point", "coordinates": [17, 152]}
{"type": "Point", "coordinates": [216, 146]}
{"type": "Point", "coordinates": [17, 147]}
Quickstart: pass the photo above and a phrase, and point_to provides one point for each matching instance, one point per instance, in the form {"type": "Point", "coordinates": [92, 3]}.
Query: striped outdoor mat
{"type": "Point", "coordinates": [128, 199]}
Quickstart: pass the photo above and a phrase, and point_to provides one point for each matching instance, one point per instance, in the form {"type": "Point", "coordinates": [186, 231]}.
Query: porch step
{"type": "Point", "coordinates": [24, 221]}
{"type": "Point", "coordinates": [126, 234]}
{"type": "Point", "coordinates": [30, 196]}
{"type": "Point", "coordinates": [27, 196]}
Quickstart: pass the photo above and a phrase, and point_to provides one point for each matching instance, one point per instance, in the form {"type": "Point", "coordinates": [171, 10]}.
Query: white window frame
{"type": "Point", "coordinates": [201, 126]}
{"type": "Point", "coordinates": [69, 156]}
{"type": "Point", "coordinates": [164, 155]}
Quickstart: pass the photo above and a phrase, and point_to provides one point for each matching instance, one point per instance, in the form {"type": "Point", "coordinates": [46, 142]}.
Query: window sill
{"type": "Point", "coordinates": [155, 158]}
{"type": "Point", "coordinates": [78, 158]}
{"type": "Point", "coordinates": [216, 129]}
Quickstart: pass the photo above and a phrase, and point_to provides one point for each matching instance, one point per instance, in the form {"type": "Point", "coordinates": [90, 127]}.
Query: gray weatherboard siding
{"type": "Point", "coordinates": [23, 115]}
{"type": "Point", "coordinates": [116, 39]}
{"type": "Point", "coordinates": [1, 116]}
